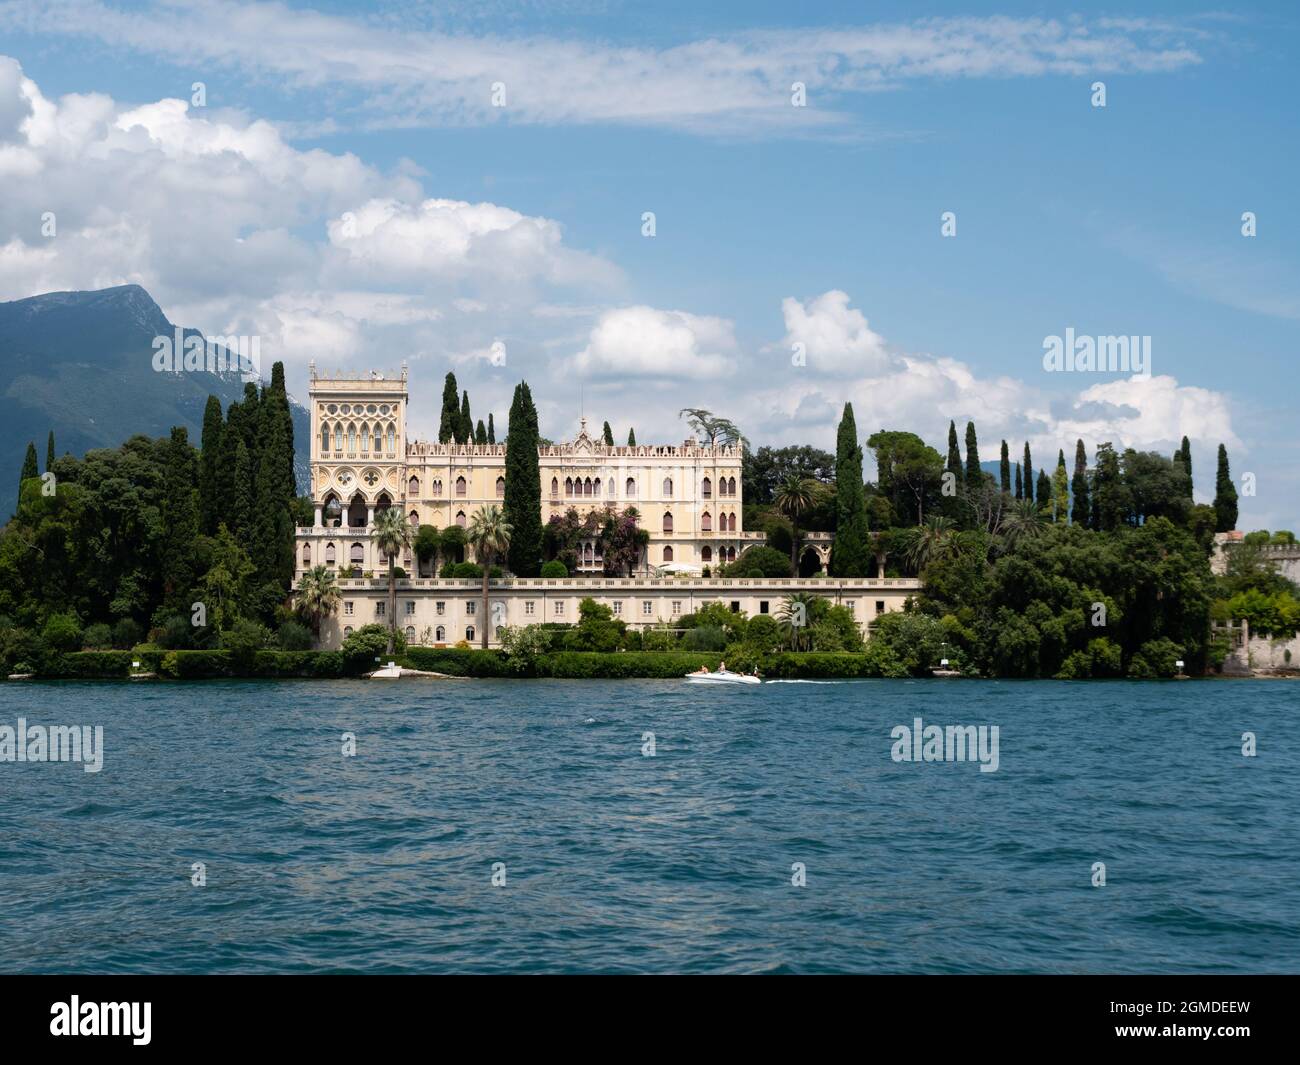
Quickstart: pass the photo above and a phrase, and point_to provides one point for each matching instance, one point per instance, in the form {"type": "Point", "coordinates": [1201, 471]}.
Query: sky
{"type": "Point", "coordinates": [365, 184]}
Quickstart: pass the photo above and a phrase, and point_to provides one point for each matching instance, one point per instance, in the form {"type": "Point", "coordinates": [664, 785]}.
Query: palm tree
{"type": "Point", "coordinates": [318, 596]}
{"type": "Point", "coordinates": [794, 497]}
{"type": "Point", "coordinates": [931, 542]}
{"type": "Point", "coordinates": [393, 534]}
{"type": "Point", "coordinates": [489, 533]}
{"type": "Point", "coordinates": [797, 614]}
{"type": "Point", "coordinates": [1023, 521]}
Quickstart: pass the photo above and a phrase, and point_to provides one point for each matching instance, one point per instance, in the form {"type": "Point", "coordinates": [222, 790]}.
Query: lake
{"type": "Point", "coordinates": [606, 858]}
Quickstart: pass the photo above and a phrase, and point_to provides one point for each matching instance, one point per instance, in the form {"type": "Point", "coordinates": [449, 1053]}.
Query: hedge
{"type": "Point", "coordinates": [188, 665]}
{"type": "Point", "coordinates": [459, 661]}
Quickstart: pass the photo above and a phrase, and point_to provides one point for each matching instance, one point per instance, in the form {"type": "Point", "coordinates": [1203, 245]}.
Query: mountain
{"type": "Point", "coordinates": [82, 364]}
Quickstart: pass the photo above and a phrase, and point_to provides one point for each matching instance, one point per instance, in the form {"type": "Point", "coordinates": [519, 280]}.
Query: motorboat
{"type": "Point", "coordinates": [722, 676]}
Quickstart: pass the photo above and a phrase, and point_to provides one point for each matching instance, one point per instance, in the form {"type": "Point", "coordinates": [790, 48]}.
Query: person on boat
{"type": "Point", "coordinates": [702, 669]}
{"type": "Point", "coordinates": [722, 667]}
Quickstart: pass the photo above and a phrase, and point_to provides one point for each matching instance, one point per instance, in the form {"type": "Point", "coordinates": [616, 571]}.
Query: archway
{"type": "Point", "coordinates": [810, 562]}
{"type": "Point", "coordinates": [357, 512]}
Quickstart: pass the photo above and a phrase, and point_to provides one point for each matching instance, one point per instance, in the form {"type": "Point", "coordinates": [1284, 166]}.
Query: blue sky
{"type": "Point", "coordinates": [775, 225]}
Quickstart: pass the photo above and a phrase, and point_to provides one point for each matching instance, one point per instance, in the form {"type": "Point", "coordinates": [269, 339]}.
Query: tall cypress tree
{"type": "Point", "coordinates": [210, 456]}
{"type": "Point", "coordinates": [1080, 510]}
{"type": "Point", "coordinates": [238, 513]}
{"type": "Point", "coordinates": [953, 465]}
{"type": "Point", "coordinates": [1005, 469]}
{"type": "Point", "coordinates": [1043, 490]}
{"type": "Point", "coordinates": [49, 450]}
{"type": "Point", "coordinates": [30, 469]}
{"type": "Point", "coordinates": [273, 532]}
{"type": "Point", "coordinates": [1020, 491]}
{"type": "Point", "coordinates": [631, 438]}
{"type": "Point", "coordinates": [465, 434]}
{"type": "Point", "coordinates": [491, 430]}
{"type": "Point", "coordinates": [1029, 475]}
{"type": "Point", "coordinates": [180, 520]}
{"type": "Point", "coordinates": [1225, 496]}
{"type": "Point", "coordinates": [1060, 489]}
{"type": "Point", "coordinates": [851, 548]}
{"type": "Point", "coordinates": [523, 495]}
{"type": "Point", "coordinates": [480, 433]}
{"type": "Point", "coordinates": [285, 416]}
{"type": "Point", "coordinates": [1184, 456]}
{"type": "Point", "coordinates": [609, 436]}
{"type": "Point", "coordinates": [974, 476]}
{"type": "Point", "coordinates": [450, 421]}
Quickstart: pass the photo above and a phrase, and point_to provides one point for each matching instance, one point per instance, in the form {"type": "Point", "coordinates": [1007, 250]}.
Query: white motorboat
{"type": "Point", "coordinates": [722, 676]}
{"type": "Point", "coordinates": [390, 672]}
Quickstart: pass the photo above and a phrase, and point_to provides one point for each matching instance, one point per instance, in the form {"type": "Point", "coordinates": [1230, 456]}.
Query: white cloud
{"type": "Point", "coordinates": [634, 342]}
{"type": "Point", "coordinates": [405, 75]}
{"type": "Point", "coordinates": [835, 338]}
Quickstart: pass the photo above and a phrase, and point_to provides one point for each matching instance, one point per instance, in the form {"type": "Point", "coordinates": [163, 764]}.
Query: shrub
{"type": "Point", "coordinates": [1155, 658]}
{"type": "Point", "coordinates": [523, 644]}
{"type": "Point", "coordinates": [368, 643]}
{"type": "Point", "coordinates": [759, 562]}
{"type": "Point", "coordinates": [762, 634]}
{"type": "Point", "coordinates": [243, 640]}
{"type": "Point", "coordinates": [554, 568]}
{"type": "Point", "coordinates": [293, 636]}
{"type": "Point", "coordinates": [174, 633]}
{"type": "Point", "coordinates": [126, 633]}
{"type": "Point", "coordinates": [705, 638]}
{"type": "Point", "coordinates": [97, 637]}
{"type": "Point", "coordinates": [62, 632]}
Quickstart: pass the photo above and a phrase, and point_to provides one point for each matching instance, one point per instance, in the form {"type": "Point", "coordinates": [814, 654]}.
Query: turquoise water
{"type": "Point", "coordinates": [615, 861]}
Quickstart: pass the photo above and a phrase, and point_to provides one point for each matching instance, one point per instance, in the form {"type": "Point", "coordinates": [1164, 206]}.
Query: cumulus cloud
{"type": "Point", "coordinates": [833, 336]}
{"type": "Point", "coordinates": [635, 342]}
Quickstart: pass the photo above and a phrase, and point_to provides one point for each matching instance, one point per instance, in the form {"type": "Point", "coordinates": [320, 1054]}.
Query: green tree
{"type": "Point", "coordinates": [608, 435]}
{"type": "Point", "coordinates": [49, 447]}
{"type": "Point", "coordinates": [1060, 489]}
{"type": "Point", "coordinates": [1043, 491]}
{"type": "Point", "coordinates": [1081, 511]}
{"type": "Point", "coordinates": [30, 469]}
{"type": "Point", "coordinates": [180, 520]}
{"type": "Point", "coordinates": [210, 456]}
{"type": "Point", "coordinates": [522, 505]}
{"type": "Point", "coordinates": [851, 549]}
{"type": "Point", "coordinates": [631, 438]}
{"type": "Point", "coordinates": [909, 472]}
{"type": "Point", "coordinates": [480, 433]}
{"type": "Point", "coordinates": [392, 536]}
{"type": "Point", "coordinates": [1020, 490]}
{"type": "Point", "coordinates": [974, 475]}
{"type": "Point", "coordinates": [712, 428]}
{"type": "Point", "coordinates": [795, 497]}
{"type": "Point", "coordinates": [489, 533]}
{"type": "Point", "coordinates": [1225, 495]}
{"type": "Point", "coordinates": [1109, 505]}
{"type": "Point", "coordinates": [465, 432]}
{"type": "Point", "coordinates": [272, 545]}
{"type": "Point", "coordinates": [1005, 469]}
{"type": "Point", "coordinates": [238, 514]}
{"type": "Point", "coordinates": [1029, 474]}
{"type": "Point", "coordinates": [449, 424]}
{"type": "Point", "coordinates": [953, 465]}
{"type": "Point", "coordinates": [318, 596]}
{"type": "Point", "coordinates": [491, 430]}
{"type": "Point", "coordinates": [923, 544]}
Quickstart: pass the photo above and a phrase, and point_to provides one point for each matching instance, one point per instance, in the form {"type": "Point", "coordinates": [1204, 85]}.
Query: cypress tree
{"type": "Point", "coordinates": [237, 515]}
{"type": "Point", "coordinates": [609, 436]}
{"type": "Point", "coordinates": [851, 549]}
{"type": "Point", "coordinates": [1080, 511]}
{"type": "Point", "coordinates": [631, 438]}
{"type": "Point", "coordinates": [480, 433]}
{"type": "Point", "coordinates": [491, 430]}
{"type": "Point", "coordinates": [1060, 489]}
{"type": "Point", "coordinates": [285, 415]}
{"type": "Point", "coordinates": [273, 533]}
{"type": "Point", "coordinates": [1005, 468]}
{"type": "Point", "coordinates": [49, 450]}
{"type": "Point", "coordinates": [250, 423]}
{"type": "Point", "coordinates": [465, 435]}
{"type": "Point", "coordinates": [1020, 492]}
{"type": "Point", "coordinates": [973, 474]}
{"type": "Point", "coordinates": [1225, 496]}
{"type": "Point", "coordinates": [1043, 490]}
{"type": "Point", "coordinates": [180, 520]}
{"type": "Point", "coordinates": [1029, 475]}
{"type": "Point", "coordinates": [953, 465]}
{"type": "Point", "coordinates": [30, 469]}
{"type": "Point", "coordinates": [1184, 456]}
{"type": "Point", "coordinates": [210, 457]}
{"type": "Point", "coordinates": [1107, 497]}
{"type": "Point", "coordinates": [450, 421]}
{"type": "Point", "coordinates": [523, 495]}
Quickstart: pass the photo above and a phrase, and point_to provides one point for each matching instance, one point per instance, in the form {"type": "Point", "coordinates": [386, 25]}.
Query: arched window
{"type": "Point", "coordinates": [347, 631]}
{"type": "Point", "coordinates": [706, 554]}
{"type": "Point", "coordinates": [413, 487]}
{"type": "Point", "coordinates": [329, 554]}
{"type": "Point", "coordinates": [324, 438]}
{"type": "Point", "coordinates": [611, 487]}
{"type": "Point", "coordinates": [338, 437]}
{"type": "Point", "coordinates": [410, 633]}
{"type": "Point", "coordinates": [460, 486]}
{"type": "Point", "coordinates": [437, 486]}
{"type": "Point", "coordinates": [440, 633]}
{"type": "Point", "coordinates": [306, 555]}
{"type": "Point", "coordinates": [706, 488]}
{"type": "Point", "coordinates": [555, 487]}
{"type": "Point", "coordinates": [590, 555]}
{"type": "Point", "coordinates": [352, 439]}
{"type": "Point", "coordinates": [392, 440]}
{"type": "Point", "coordinates": [631, 488]}
{"type": "Point", "coordinates": [469, 633]}
{"type": "Point", "coordinates": [668, 487]}
{"type": "Point", "coordinates": [568, 486]}
{"type": "Point", "coordinates": [668, 554]}
{"type": "Point", "coordinates": [365, 438]}
{"type": "Point", "coordinates": [731, 523]}
{"type": "Point", "coordinates": [731, 486]}
{"type": "Point", "coordinates": [668, 522]}
{"type": "Point", "coordinates": [596, 484]}
{"type": "Point", "coordinates": [706, 522]}
{"type": "Point", "coordinates": [460, 518]}
{"type": "Point", "coordinates": [379, 440]}
{"type": "Point", "coordinates": [414, 518]}
{"type": "Point", "coordinates": [586, 487]}
{"type": "Point", "coordinates": [357, 554]}
{"type": "Point", "coordinates": [731, 554]}
{"type": "Point", "coordinates": [501, 487]}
